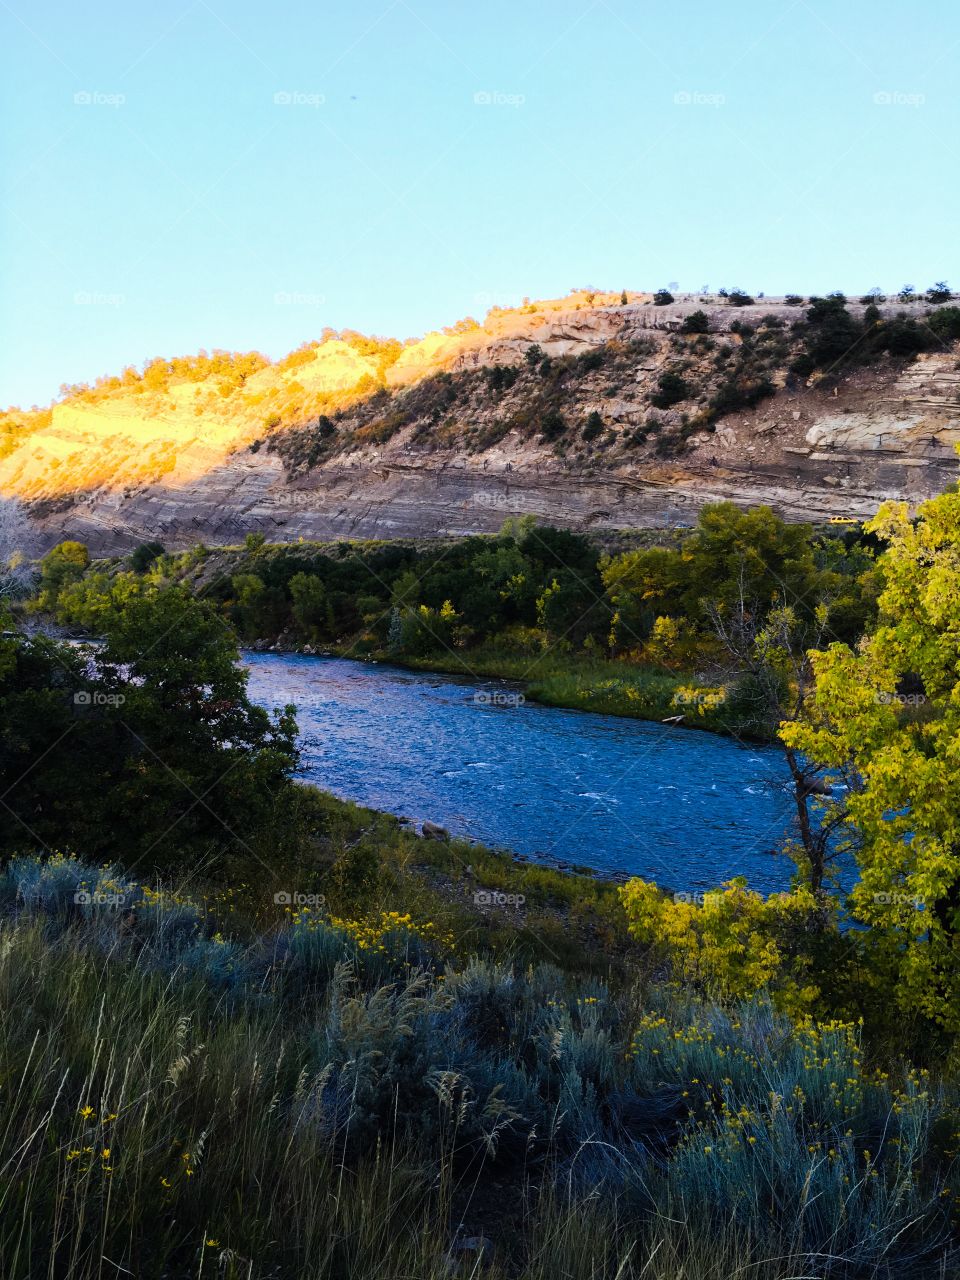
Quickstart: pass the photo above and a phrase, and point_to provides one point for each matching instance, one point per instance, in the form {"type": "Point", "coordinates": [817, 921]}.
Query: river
{"type": "Point", "coordinates": [685, 808]}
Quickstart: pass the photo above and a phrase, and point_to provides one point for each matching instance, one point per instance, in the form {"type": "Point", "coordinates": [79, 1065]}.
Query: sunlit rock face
{"type": "Point", "coordinates": [202, 454]}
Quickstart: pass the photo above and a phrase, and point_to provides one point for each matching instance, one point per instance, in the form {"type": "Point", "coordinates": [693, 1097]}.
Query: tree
{"type": "Point", "coordinates": [939, 292]}
{"type": "Point", "coordinates": [59, 568]}
{"type": "Point", "coordinates": [552, 425]}
{"type": "Point", "coordinates": [642, 586]}
{"type": "Point", "coordinates": [424, 630]}
{"type": "Point", "coordinates": [767, 661]}
{"type": "Point", "coordinates": [832, 335]}
{"type": "Point", "coordinates": [17, 546]}
{"type": "Point", "coordinates": [945, 323]}
{"type": "Point", "coordinates": [662, 298]}
{"type": "Point", "coordinates": [671, 389]}
{"type": "Point", "coordinates": [888, 715]}
{"type": "Point", "coordinates": [259, 610]}
{"type": "Point", "coordinates": [738, 298]}
{"type": "Point", "coordinates": [145, 749]}
{"type": "Point", "coordinates": [569, 609]}
{"type": "Point", "coordinates": [142, 557]}
{"type": "Point", "coordinates": [752, 587]}
{"type": "Point", "coordinates": [309, 597]}
{"type": "Point", "coordinates": [592, 427]}
{"type": "Point", "coordinates": [696, 322]}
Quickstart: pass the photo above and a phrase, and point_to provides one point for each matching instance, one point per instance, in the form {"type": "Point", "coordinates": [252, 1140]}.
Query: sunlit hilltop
{"type": "Point", "coordinates": [179, 417]}
{"type": "Point", "coordinates": [609, 410]}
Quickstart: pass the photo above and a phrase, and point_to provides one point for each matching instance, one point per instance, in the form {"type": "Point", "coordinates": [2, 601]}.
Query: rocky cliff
{"type": "Point", "coordinates": [589, 411]}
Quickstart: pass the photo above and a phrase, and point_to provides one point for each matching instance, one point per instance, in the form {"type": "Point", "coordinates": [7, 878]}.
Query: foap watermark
{"type": "Point", "coordinates": [498, 698]}
{"type": "Point", "coordinates": [96, 698]}
{"type": "Point", "coordinates": [298, 98]}
{"type": "Point", "coordinates": [297, 498]}
{"type": "Point", "coordinates": [295, 697]}
{"type": "Point", "coordinates": [899, 900]}
{"type": "Point", "coordinates": [898, 98]}
{"type": "Point", "coordinates": [494, 898]}
{"type": "Point", "coordinates": [88, 298]}
{"type": "Point", "coordinates": [97, 898]}
{"type": "Point", "coordinates": [283, 298]}
{"type": "Point", "coordinates": [97, 98]}
{"type": "Point", "coordinates": [694, 899]}
{"type": "Point", "coordinates": [696, 98]}
{"type": "Point", "coordinates": [293, 898]}
{"type": "Point", "coordinates": [698, 698]}
{"type": "Point", "coordinates": [900, 699]}
{"type": "Point", "coordinates": [497, 98]}
{"type": "Point", "coordinates": [491, 498]}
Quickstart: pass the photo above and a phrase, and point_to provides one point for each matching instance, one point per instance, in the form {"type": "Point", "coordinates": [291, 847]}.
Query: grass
{"type": "Point", "coordinates": [179, 1100]}
{"type": "Point", "coordinates": [582, 683]}
{"type": "Point", "coordinates": [370, 861]}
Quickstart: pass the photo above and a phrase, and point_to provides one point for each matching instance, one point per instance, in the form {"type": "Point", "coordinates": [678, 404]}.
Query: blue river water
{"type": "Point", "coordinates": [679, 806]}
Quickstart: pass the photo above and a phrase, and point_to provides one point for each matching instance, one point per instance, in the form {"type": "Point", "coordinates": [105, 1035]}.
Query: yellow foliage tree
{"type": "Point", "coordinates": [888, 715]}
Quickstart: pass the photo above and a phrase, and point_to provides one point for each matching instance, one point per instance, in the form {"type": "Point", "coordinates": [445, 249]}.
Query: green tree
{"type": "Point", "coordinates": [569, 610]}
{"type": "Point", "coordinates": [145, 749]}
{"type": "Point", "coordinates": [252, 606]}
{"type": "Point", "coordinates": [142, 557]}
{"type": "Point", "coordinates": [671, 389]}
{"type": "Point", "coordinates": [696, 322]}
{"type": "Point", "coordinates": [309, 598]}
{"type": "Point", "coordinates": [887, 716]}
{"type": "Point", "coordinates": [945, 323]}
{"type": "Point", "coordinates": [641, 586]}
{"type": "Point", "coordinates": [592, 427]}
{"type": "Point", "coordinates": [831, 335]}
{"type": "Point", "coordinates": [65, 564]}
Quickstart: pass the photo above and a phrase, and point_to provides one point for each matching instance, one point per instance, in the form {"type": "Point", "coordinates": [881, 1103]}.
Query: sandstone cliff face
{"type": "Point", "coordinates": [177, 464]}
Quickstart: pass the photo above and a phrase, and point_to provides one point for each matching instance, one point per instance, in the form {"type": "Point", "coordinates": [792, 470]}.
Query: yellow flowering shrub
{"type": "Point", "coordinates": [373, 932]}
{"type": "Point", "coordinates": [726, 942]}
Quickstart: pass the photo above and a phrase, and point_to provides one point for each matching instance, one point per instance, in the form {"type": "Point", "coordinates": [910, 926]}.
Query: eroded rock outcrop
{"type": "Point", "coordinates": [184, 463]}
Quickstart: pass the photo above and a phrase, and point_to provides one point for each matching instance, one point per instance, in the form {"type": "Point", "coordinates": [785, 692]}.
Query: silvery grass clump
{"type": "Point", "coordinates": [790, 1138]}
{"type": "Point", "coordinates": [161, 928]}
{"type": "Point", "coordinates": [400, 1060]}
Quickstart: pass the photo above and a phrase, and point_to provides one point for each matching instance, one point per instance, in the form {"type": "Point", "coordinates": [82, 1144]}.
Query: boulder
{"type": "Point", "coordinates": [432, 831]}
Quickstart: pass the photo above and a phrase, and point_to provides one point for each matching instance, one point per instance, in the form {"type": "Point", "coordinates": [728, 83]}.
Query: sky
{"type": "Point", "coordinates": [194, 174]}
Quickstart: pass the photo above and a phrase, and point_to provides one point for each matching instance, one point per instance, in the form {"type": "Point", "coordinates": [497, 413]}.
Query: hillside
{"type": "Point", "coordinates": [595, 411]}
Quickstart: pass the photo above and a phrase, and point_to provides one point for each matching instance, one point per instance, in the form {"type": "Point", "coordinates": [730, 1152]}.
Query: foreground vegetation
{"type": "Point", "coordinates": [183, 1097]}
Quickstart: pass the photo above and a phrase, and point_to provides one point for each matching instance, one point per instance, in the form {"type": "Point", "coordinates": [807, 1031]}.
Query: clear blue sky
{"type": "Point", "coordinates": [776, 145]}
